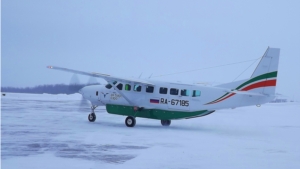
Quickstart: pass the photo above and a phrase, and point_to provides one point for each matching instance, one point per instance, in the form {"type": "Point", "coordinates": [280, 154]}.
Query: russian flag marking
{"type": "Point", "coordinates": [154, 101]}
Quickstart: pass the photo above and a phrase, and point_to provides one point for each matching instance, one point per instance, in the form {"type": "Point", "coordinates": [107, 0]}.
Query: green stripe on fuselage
{"type": "Point", "coordinates": [152, 113]}
{"type": "Point", "coordinates": [220, 97]}
{"type": "Point", "coordinates": [260, 77]}
{"type": "Point", "coordinates": [257, 78]}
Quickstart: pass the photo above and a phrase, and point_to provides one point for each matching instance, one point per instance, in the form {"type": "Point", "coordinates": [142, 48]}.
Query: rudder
{"type": "Point", "coordinates": [266, 71]}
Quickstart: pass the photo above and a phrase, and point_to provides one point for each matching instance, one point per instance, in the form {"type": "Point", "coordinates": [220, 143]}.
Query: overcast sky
{"type": "Point", "coordinates": [126, 38]}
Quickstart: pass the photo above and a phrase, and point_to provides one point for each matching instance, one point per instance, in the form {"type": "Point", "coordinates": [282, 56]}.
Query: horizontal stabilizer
{"type": "Point", "coordinates": [245, 92]}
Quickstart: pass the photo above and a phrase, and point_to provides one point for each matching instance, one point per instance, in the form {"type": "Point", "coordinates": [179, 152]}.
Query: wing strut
{"type": "Point", "coordinates": [121, 93]}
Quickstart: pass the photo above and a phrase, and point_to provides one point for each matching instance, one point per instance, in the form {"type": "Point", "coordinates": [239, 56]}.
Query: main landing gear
{"type": "Point", "coordinates": [92, 115]}
{"type": "Point", "coordinates": [165, 122]}
{"type": "Point", "coordinates": [130, 121]}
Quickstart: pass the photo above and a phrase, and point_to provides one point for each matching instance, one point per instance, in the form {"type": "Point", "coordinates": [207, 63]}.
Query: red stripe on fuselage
{"type": "Point", "coordinates": [266, 83]}
{"type": "Point", "coordinates": [260, 84]}
{"type": "Point", "coordinates": [224, 98]}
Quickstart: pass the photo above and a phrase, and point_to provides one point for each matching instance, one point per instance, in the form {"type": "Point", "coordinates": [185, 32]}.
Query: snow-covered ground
{"type": "Point", "coordinates": [51, 131]}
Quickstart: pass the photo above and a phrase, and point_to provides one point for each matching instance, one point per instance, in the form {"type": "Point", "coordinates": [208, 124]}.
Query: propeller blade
{"type": "Point", "coordinates": [84, 106]}
{"type": "Point", "coordinates": [93, 81]}
{"type": "Point", "coordinates": [74, 85]}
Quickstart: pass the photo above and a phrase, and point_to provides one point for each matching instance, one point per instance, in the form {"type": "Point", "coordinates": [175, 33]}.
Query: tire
{"type": "Point", "coordinates": [92, 117]}
{"type": "Point", "coordinates": [130, 121]}
{"type": "Point", "coordinates": [165, 122]}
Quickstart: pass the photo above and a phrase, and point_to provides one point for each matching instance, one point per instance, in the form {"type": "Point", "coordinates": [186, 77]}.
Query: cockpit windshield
{"type": "Point", "coordinates": [108, 86]}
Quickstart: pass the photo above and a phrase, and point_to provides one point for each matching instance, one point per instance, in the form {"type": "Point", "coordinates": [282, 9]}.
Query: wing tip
{"type": "Point", "coordinates": [101, 74]}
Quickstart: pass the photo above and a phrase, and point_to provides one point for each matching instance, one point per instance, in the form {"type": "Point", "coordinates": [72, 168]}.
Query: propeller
{"type": "Point", "coordinates": [75, 86]}
{"type": "Point", "coordinates": [84, 105]}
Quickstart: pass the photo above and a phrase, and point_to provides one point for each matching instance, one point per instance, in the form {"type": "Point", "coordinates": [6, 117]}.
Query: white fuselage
{"type": "Point", "coordinates": [168, 96]}
{"type": "Point", "coordinates": [166, 101]}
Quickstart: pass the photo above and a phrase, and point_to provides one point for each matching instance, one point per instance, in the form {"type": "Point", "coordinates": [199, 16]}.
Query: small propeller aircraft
{"type": "Point", "coordinates": [168, 101]}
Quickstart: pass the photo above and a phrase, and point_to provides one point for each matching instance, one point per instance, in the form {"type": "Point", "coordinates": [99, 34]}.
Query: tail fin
{"type": "Point", "coordinates": [268, 63]}
{"type": "Point", "coordinates": [263, 79]}
{"type": "Point", "coordinates": [265, 75]}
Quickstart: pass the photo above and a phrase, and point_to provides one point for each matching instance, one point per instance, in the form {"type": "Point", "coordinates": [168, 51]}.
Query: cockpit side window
{"type": "Point", "coordinates": [120, 86]}
{"type": "Point", "coordinates": [109, 86]}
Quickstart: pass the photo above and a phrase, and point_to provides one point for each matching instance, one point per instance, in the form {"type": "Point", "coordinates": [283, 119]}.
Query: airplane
{"type": "Point", "coordinates": [166, 101]}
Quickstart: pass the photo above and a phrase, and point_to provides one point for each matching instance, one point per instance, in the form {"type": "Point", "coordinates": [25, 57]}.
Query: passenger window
{"type": "Point", "coordinates": [137, 88]}
{"type": "Point", "coordinates": [196, 93]}
{"type": "Point", "coordinates": [184, 92]}
{"type": "Point", "coordinates": [163, 90]}
{"type": "Point", "coordinates": [96, 93]}
{"type": "Point", "coordinates": [120, 86]}
{"type": "Point", "coordinates": [149, 89]}
{"type": "Point", "coordinates": [173, 91]}
{"type": "Point", "coordinates": [108, 86]}
{"type": "Point", "coordinates": [127, 87]}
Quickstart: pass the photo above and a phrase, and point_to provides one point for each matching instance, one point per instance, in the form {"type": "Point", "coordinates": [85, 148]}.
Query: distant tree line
{"type": "Point", "coordinates": [51, 89]}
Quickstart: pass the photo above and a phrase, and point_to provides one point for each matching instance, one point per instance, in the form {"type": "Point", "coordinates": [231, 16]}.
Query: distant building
{"type": "Point", "coordinates": [280, 99]}
{"type": "Point", "coordinates": [276, 100]}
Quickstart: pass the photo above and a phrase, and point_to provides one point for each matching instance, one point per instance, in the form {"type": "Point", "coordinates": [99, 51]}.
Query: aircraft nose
{"type": "Point", "coordinates": [82, 91]}
{"type": "Point", "coordinates": [86, 91]}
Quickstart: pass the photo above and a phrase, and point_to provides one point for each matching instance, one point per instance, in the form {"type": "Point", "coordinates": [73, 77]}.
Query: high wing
{"type": "Point", "coordinates": [110, 79]}
{"type": "Point", "coordinates": [106, 77]}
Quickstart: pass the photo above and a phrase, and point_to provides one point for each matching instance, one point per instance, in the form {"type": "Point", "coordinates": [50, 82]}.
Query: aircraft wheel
{"type": "Point", "coordinates": [165, 122]}
{"type": "Point", "coordinates": [92, 117]}
{"type": "Point", "coordinates": [130, 121]}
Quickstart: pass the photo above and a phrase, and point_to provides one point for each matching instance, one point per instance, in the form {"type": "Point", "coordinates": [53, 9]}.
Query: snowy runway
{"type": "Point", "coordinates": [51, 131]}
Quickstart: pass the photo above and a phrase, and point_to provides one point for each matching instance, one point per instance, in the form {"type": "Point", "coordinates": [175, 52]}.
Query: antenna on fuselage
{"type": "Point", "coordinates": [140, 75]}
{"type": "Point", "coordinates": [187, 71]}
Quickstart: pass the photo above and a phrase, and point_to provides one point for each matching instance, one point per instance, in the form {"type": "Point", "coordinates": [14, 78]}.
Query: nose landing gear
{"type": "Point", "coordinates": [92, 115]}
